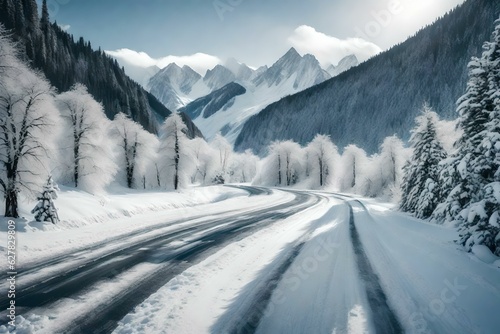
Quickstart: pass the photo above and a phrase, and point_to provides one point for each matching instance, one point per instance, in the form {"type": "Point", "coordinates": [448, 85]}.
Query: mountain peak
{"type": "Point", "coordinates": [218, 77]}
{"type": "Point", "coordinates": [307, 71]}
{"type": "Point", "coordinates": [344, 64]}
{"type": "Point", "coordinates": [172, 66]}
{"type": "Point", "coordinates": [292, 53]}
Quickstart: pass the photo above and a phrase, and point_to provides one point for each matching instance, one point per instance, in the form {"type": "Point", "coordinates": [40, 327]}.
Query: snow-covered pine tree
{"type": "Point", "coordinates": [45, 210]}
{"type": "Point", "coordinates": [421, 173]}
{"type": "Point", "coordinates": [473, 202]}
{"type": "Point", "coordinates": [481, 225]}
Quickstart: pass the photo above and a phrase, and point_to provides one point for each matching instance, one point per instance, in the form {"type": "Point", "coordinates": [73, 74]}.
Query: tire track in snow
{"type": "Point", "coordinates": [30, 267]}
{"type": "Point", "coordinates": [250, 322]}
{"type": "Point", "coordinates": [251, 317]}
{"type": "Point", "coordinates": [104, 317]}
{"type": "Point", "coordinates": [384, 319]}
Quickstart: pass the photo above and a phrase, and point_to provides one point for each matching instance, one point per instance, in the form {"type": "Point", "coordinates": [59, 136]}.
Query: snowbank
{"type": "Point", "coordinates": [87, 219]}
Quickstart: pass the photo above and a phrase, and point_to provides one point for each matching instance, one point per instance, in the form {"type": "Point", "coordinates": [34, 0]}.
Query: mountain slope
{"type": "Point", "coordinates": [382, 96]}
{"type": "Point", "coordinates": [65, 62]}
{"type": "Point", "coordinates": [172, 84]}
{"type": "Point", "coordinates": [222, 98]}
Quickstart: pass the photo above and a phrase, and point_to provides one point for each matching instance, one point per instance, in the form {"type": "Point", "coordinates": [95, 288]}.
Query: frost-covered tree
{"type": "Point", "coordinates": [86, 151]}
{"type": "Point", "coordinates": [392, 159]}
{"type": "Point", "coordinates": [27, 120]}
{"type": "Point", "coordinates": [283, 164]}
{"type": "Point", "coordinates": [45, 210]}
{"type": "Point", "coordinates": [383, 173]}
{"type": "Point", "coordinates": [135, 149]}
{"type": "Point", "coordinates": [420, 189]}
{"type": "Point", "coordinates": [8, 52]}
{"type": "Point", "coordinates": [224, 152]}
{"type": "Point", "coordinates": [353, 164]}
{"type": "Point", "coordinates": [175, 155]}
{"type": "Point", "coordinates": [205, 161]}
{"type": "Point", "coordinates": [321, 157]}
{"type": "Point", "coordinates": [472, 172]}
{"type": "Point", "coordinates": [243, 167]}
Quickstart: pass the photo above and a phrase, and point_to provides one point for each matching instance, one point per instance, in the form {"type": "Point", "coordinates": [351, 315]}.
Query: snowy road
{"type": "Point", "coordinates": [275, 261]}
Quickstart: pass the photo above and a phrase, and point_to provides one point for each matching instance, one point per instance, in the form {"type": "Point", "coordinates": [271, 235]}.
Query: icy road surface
{"type": "Point", "coordinates": [274, 261]}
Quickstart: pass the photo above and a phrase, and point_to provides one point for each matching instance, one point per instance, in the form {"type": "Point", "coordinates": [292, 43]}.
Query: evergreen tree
{"type": "Point", "coordinates": [31, 14]}
{"type": "Point", "coordinates": [19, 18]}
{"type": "Point", "coordinates": [45, 210]}
{"type": "Point", "coordinates": [421, 173]}
{"type": "Point", "coordinates": [44, 20]}
{"type": "Point", "coordinates": [473, 202]}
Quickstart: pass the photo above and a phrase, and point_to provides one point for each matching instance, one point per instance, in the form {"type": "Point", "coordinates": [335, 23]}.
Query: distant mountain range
{"type": "Point", "coordinates": [383, 95]}
{"type": "Point", "coordinates": [227, 95]}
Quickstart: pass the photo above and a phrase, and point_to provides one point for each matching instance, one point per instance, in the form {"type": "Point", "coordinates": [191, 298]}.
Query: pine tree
{"type": "Point", "coordinates": [421, 174]}
{"type": "Point", "coordinates": [44, 20]}
{"type": "Point", "coordinates": [473, 202]}
{"type": "Point", "coordinates": [45, 210]}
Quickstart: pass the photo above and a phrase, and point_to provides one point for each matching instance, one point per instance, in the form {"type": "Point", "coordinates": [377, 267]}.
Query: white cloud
{"type": "Point", "coordinates": [329, 49]}
{"type": "Point", "coordinates": [200, 62]}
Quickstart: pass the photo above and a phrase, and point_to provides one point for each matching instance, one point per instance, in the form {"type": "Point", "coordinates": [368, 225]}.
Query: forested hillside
{"type": "Point", "coordinates": [382, 96]}
{"type": "Point", "coordinates": [65, 62]}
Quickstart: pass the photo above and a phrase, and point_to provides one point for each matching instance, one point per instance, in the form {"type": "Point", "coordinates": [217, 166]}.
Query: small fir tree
{"type": "Point", "coordinates": [45, 210]}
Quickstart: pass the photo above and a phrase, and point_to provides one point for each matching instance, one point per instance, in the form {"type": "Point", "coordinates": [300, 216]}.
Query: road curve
{"type": "Point", "coordinates": [212, 235]}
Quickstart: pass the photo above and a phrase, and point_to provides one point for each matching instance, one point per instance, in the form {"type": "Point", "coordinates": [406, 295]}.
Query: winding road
{"type": "Point", "coordinates": [81, 272]}
{"type": "Point", "coordinates": [281, 261]}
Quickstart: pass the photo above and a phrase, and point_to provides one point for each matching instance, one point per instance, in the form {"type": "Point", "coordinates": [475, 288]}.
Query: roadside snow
{"type": "Point", "coordinates": [432, 283]}
{"type": "Point", "coordinates": [88, 220]}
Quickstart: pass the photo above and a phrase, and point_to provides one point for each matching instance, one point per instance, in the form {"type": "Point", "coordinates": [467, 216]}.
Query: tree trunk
{"type": "Point", "coordinates": [320, 172]}
{"type": "Point", "coordinates": [158, 176]}
{"type": "Point", "coordinates": [11, 204]}
{"type": "Point", "coordinates": [176, 161]}
{"type": "Point", "coordinates": [76, 152]}
{"type": "Point", "coordinates": [288, 171]}
{"type": "Point", "coordinates": [279, 170]}
{"type": "Point", "coordinates": [393, 159]}
{"type": "Point", "coordinates": [353, 174]}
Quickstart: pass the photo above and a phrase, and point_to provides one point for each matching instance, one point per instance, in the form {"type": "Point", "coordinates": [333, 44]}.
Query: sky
{"type": "Point", "coordinates": [202, 33]}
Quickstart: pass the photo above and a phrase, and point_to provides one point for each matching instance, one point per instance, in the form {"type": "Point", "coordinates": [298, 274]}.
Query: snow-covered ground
{"type": "Point", "coordinates": [431, 284]}
{"type": "Point", "coordinates": [299, 274]}
{"type": "Point", "coordinates": [88, 219]}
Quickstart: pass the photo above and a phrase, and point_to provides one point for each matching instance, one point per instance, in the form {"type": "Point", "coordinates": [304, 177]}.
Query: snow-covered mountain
{"type": "Point", "coordinates": [344, 64]}
{"type": "Point", "coordinates": [228, 106]}
{"type": "Point", "coordinates": [175, 86]}
{"type": "Point", "coordinates": [218, 77]}
{"type": "Point", "coordinates": [305, 70]}
{"type": "Point", "coordinates": [221, 99]}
